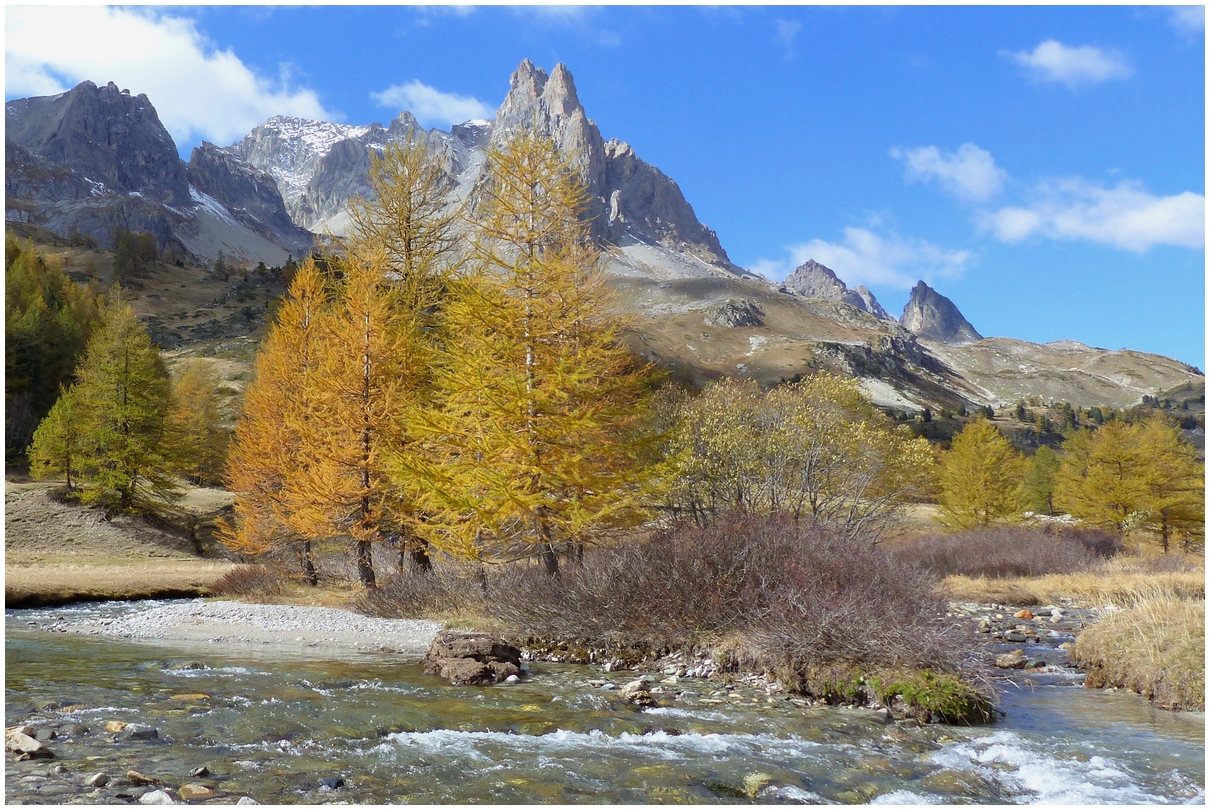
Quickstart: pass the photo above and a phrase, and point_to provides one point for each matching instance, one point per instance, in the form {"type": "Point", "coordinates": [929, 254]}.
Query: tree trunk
{"type": "Point", "coordinates": [308, 563]}
{"type": "Point", "coordinates": [365, 564]}
{"type": "Point", "coordinates": [1164, 533]}
{"type": "Point", "coordinates": [550, 559]}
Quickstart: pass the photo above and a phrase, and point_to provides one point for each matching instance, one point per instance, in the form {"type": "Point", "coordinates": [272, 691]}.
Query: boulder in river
{"type": "Point", "coordinates": [471, 658]}
{"type": "Point", "coordinates": [156, 797]}
{"type": "Point", "coordinates": [196, 790]}
{"type": "Point", "coordinates": [1013, 660]}
{"type": "Point", "coordinates": [138, 731]}
{"type": "Point", "coordinates": [26, 747]}
{"type": "Point", "coordinates": [636, 692]}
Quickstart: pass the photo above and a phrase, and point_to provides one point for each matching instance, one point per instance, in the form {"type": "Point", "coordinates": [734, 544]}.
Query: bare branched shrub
{"type": "Point", "coordinates": [786, 594]}
{"type": "Point", "coordinates": [1004, 552]}
{"type": "Point", "coordinates": [250, 580]}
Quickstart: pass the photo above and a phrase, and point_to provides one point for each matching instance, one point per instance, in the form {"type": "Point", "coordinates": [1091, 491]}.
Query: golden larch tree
{"type": "Point", "coordinates": [526, 450]}
{"type": "Point", "coordinates": [980, 477]}
{"type": "Point", "coordinates": [273, 443]}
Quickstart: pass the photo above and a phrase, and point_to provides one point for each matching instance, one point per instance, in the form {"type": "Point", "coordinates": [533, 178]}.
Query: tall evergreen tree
{"type": "Point", "coordinates": [272, 449]}
{"type": "Point", "coordinates": [198, 437]}
{"type": "Point", "coordinates": [124, 395]}
{"type": "Point", "coordinates": [526, 450]}
{"type": "Point", "coordinates": [980, 477]}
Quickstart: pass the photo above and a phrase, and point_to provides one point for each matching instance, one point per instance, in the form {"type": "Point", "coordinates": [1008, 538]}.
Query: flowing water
{"type": "Point", "coordinates": [272, 725]}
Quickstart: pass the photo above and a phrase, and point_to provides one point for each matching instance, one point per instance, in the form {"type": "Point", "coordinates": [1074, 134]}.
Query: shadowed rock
{"type": "Point", "coordinates": [471, 658]}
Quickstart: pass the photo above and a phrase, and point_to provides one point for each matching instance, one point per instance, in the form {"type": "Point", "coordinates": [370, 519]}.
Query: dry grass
{"type": "Point", "coordinates": [56, 552]}
{"type": "Point", "coordinates": [1155, 646]}
{"type": "Point", "coordinates": [55, 584]}
{"type": "Point", "coordinates": [1120, 581]}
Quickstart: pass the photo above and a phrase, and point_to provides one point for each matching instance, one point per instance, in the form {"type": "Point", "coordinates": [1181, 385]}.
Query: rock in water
{"type": "Point", "coordinates": [195, 790]}
{"type": "Point", "coordinates": [636, 692]}
{"type": "Point", "coordinates": [332, 782]}
{"type": "Point", "coordinates": [26, 747]}
{"type": "Point", "coordinates": [99, 779]}
{"type": "Point", "coordinates": [156, 797]}
{"type": "Point", "coordinates": [138, 731]}
{"type": "Point", "coordinates": [1013, 660]}
{"type": "Point", "coordinates": [247, 800]}
{"type": "Point", "coordinates": [471, 658]}
{"type": "Point", "coordinates": [137, 778]}
{"type": "Point", "coordinates": [754, 783]}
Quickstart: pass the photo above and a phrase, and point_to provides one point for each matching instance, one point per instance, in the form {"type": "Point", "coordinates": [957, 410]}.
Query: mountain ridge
{"type": "Point", "coordinates": [263, 197]}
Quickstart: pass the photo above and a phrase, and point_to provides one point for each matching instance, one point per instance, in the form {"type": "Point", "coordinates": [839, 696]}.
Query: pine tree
{"type": "Point", "coordinates": [58, 443]}
{"type": "Point", "coordinates": [1134, 477]}
{"type": "Point", "coordinates": [980, 477]}
{"type": "Point", "coordinates": [409, 224]}
{"type": "Point", "coordinates": [526, 451]}
{"type": "Point", "coordinates": [1174, 482]}
{"type": "Point", "coordinates": [367, 361]}
{"type": "Point", "coordinates": [124, 395]}
{"type": "Point", "coordinates": [273, 444]}
{"type": "Point", "coordinates": [1098, 479]}
{"type": "Point", "coordinates": [1038, 485]}
{"type": "Point", "coordinates": [198, 436]}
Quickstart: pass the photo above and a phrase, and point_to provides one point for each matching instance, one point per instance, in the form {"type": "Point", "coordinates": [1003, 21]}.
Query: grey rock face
{"type": "Point", "coordinates": [104, 134]}
{"type": "Point", "coordinates": [318, 166]}
{"type": "Point", "coordinates": [932, 316]}
{"type": "Point", "coordinates": [813, 280]}
{"type": "Point", "coordinates": [250, 195]}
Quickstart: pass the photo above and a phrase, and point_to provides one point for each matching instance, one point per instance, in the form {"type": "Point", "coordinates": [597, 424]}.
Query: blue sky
{"type": "Point", "coordinates": [1043, 167]}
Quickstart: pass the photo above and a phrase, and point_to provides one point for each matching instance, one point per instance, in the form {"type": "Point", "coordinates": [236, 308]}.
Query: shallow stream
{"type": "Point", "coordinates": [271, 724]}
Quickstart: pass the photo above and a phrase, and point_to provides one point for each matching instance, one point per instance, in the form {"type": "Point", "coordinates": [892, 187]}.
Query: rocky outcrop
{"type": "Point", "coordinates": [106, 136]}
{"type": "Point", "coordinates": [930, 315]}
{"type": "Point", "coordinates": [735, 312]}
{"type": "Point", "coordinates": [471, 658]}
{"type": "Point", "coordinates": [319, 166]}
{"type": "Point", "coordinates": [96, 161]}
{"type": "Point", "coordinates": [250, 195]}
{"type": "Point", "coordinates": [813, 280]}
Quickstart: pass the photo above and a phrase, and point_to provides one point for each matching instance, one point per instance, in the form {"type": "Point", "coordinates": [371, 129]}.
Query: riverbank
{"type": "Point", "coordinates": [57, 553]}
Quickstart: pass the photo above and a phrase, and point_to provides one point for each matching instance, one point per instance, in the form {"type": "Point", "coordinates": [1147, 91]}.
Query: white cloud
{"type": "Point", "coordinates": [1190, 20]}
{"type": "Point", "coordinates": [969, 173]}
{"type": "Point", "coordinates": [1055, 62]}
{"type": "Point", "coordinates": [430, 105]}
{"type": "Point", "coordinates": [867, 258]}
{"type": "Point", "coordinates": [198, 90]}
{"type": "Point", "coordinates": [787, 31]}
{"type": "Point", "coordinates": [1125, 216]}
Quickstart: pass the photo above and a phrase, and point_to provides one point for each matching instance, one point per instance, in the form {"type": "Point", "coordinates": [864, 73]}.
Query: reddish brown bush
{"type": "Point", "coordinates": [1006, 552]}
{"type": "Point", "coordinates": [250, 580]}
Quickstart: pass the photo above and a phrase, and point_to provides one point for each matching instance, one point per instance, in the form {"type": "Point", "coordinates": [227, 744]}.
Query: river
{"type": "Point", "coordinates": [274, 724]}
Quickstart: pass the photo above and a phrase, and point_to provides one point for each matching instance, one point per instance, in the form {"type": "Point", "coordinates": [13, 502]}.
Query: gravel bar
{"type": "Point", "coordinates": [317, 630]}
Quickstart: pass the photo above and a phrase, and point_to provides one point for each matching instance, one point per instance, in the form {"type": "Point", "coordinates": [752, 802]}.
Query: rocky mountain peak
{"type": "Point", "coordinates": [105, 135]}
{"type": "Point", "coordinates": [814, 280]}
{"type": "Point", "coordinates": [932, 316]}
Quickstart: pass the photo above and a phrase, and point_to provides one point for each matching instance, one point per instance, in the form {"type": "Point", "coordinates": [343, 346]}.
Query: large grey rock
{"type": "Point", "coordinates": [932, 316]}
{"type": "Point", "coordinates": [105, 135]}
{"type": "Point", "coordinates": [250, 195]}
{"type": "Point", "coordinates": [471, 658]}
{"type": "Point", "coordinates": [813, 280]}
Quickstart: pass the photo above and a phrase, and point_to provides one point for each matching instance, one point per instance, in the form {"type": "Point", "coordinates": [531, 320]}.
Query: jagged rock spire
{"type": "Point", "coordinates": [932, 316]}
{"type": "Point", "coordinates": [813, 280]}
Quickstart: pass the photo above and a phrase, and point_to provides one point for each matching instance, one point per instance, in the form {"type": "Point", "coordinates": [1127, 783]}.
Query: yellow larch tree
{"type": "Point", "coordinates": [195, 422]}
{"type": "Point", "coordinates": [526, 448]}
{"type": "Point", "coordinates": [273, 446]}
{"type": "Point", "coordinates": [367, 363]}
{"type": "Point", "coordinates": [980, 477]}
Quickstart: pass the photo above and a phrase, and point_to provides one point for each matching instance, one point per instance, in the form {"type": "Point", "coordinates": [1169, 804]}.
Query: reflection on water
{"type": "Point", "coordinates": [272, 729]}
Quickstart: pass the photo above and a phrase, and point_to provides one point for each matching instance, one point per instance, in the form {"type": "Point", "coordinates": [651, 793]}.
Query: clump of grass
{"type": "Point", "coordinates": [254, 581]}
{"type": "Point", "coordinates": [1006, 551]}
{"type": "Point", "coordinates": [760, 593]}
{"type": "Point", "coordinates": [1156, 646]}
{"type": "Point", "coordinates": [1119, 581]}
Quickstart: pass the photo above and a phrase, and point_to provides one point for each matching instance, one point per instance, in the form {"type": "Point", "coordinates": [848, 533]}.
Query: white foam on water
{"type": "Point", "coordinates": [908, 797]}
{"type": "Point", "coordinates": [702, 714]}
{"type": "Point", "coordinates": [1029, 773]}
{"type": "Point", "coordinates": [792, 793]}
{"type": "Point", "coordinates": [470, 744]}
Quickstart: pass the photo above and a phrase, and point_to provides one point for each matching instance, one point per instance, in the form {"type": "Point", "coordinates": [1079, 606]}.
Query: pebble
{"type": "Point", "coordinates": [332, 782]}
{"type": "Point", "coordinates": [247, 800]}
{"type": "Point", "coordinates": [98, 779]}
{"type": "Point", "coordinates": [156, 797]}
{"type": "Point", "coordinates": [195, 790]}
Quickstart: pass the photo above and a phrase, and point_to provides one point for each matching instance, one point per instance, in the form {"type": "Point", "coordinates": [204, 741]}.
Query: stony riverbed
{"type": "Point", "coordinates": [269, 708]}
